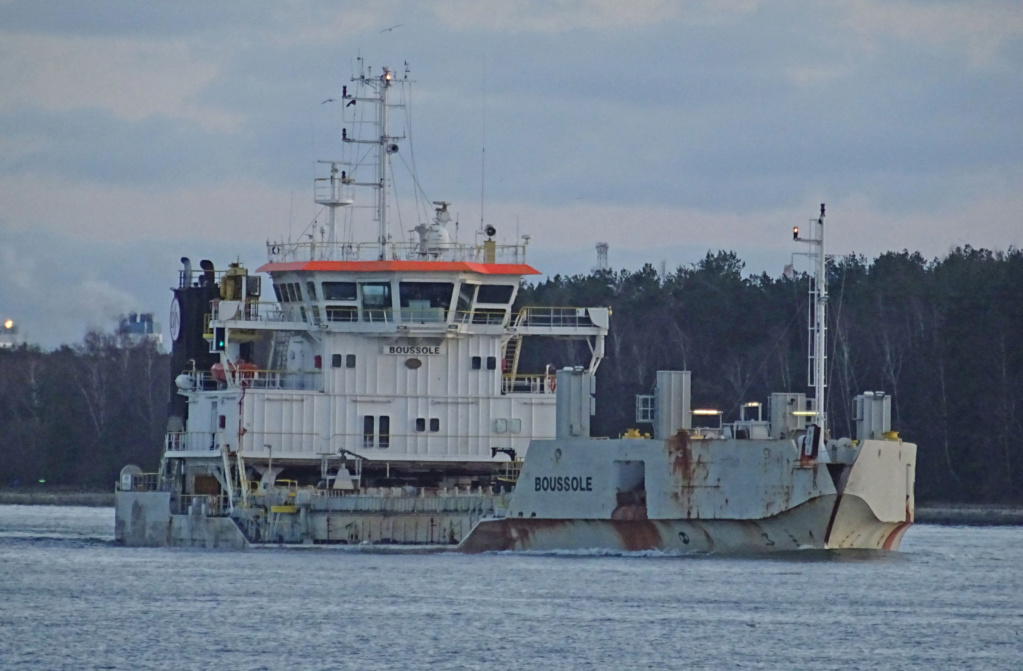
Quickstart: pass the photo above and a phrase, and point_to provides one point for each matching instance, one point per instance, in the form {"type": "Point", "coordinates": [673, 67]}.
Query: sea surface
{"type": "Point", "coordinates": [71, 599]}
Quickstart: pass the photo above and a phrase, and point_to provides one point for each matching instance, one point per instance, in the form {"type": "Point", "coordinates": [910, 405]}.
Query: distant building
{"type": "Point", "coordinates": [602, 248]}
{"type": "Point", "coordinates": [9, 334]}
{"type": "Point", "coordinates": [139, 328]}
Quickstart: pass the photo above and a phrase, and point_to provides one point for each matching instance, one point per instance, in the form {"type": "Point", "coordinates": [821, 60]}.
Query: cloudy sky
{"type": "Point", "coordinates": [134, 133]}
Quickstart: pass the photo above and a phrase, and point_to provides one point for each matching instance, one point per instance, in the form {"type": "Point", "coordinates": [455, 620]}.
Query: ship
{"type": "Point", "coordinates": [377, 401]}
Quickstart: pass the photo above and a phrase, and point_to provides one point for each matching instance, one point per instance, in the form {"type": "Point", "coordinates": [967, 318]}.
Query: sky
{"type": "Point", "coordinates": [132, 134]}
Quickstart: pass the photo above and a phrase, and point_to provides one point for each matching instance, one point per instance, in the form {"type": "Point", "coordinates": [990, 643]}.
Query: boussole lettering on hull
{"type": "Point", "coordinates": [566, 483]}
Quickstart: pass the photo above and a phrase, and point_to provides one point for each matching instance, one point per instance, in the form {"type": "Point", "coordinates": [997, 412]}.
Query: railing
{"type": "Point", "coordinates": [278, 252]}
{"type": "Point", "coordinates": [486, 317]}
{"type": "Point", "coordinates": [527, 384]}
{"type": "Point", "coordinates": [250, 311]}
{"type": "Point", "coordinates": [139, 482]}
{"type": "Point", "coordinates": [424, 315]}
{"type": "Point", "coordinates": [191, 441]}
{"type": "Point", "coordinates": [554, 317]}
{"type": "Point", "coordinates": [257, 379]}
{"type": "Point", "coordinates": [196, 277]}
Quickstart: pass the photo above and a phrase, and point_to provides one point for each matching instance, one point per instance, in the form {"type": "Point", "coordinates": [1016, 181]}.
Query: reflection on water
{"type": "Point", "coordinates": [71, 599]}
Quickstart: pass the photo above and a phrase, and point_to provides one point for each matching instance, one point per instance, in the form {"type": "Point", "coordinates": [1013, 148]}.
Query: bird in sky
{"type": "Point", "coordinates": [397, 25]}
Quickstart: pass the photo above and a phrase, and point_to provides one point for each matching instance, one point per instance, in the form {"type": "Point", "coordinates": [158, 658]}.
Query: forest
{"type": "Point", "coordinates": [944, 336]}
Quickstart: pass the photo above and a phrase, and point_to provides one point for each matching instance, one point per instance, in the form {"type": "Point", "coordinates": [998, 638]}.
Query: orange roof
{"type": "Point", "coordinates": [408, 266]}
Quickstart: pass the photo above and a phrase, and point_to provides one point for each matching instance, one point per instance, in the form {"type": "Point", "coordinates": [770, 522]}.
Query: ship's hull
{"type": "Point", "coordinates": [827, 522]}
{"type": "Point", "coordinates": [683, 494]}
{"type": "Point", "coordinates": [802, 528]}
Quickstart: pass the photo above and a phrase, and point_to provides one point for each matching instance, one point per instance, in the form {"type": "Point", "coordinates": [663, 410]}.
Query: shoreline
{"type": "Point", "coordinates": [943, 514]}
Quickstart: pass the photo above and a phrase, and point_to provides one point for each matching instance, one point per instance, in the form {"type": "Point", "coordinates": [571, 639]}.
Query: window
{"type": "Point", "coordinates": [350, 361]}
{"type": "Point", "coordinates": [342, 313]}
{"type": "Point", "coordinates": [495, 293]}
{"type": "Point", "coordinates": [290, 289]}
{"type": "Point", "coordinates": [425, 301]}
{"type": "Point", "coordinates": [385, 431]}
{"type": "Point", "coordinates": [339, 291]}
{"type": "Point", "coordinates": [466, 292]}
{"type": "Point", "coordinates": [301, 311]}
{"type": "Point", "coordinates": [376, 301]}
{"type": "Point", "coordinates": [277, 293]}
{"type": "Point", "coordinates": [335, 360]}
{"type": "Point", "coordinates": [420, 424]}
{"type": "Point", "coordinates": [316, 315]}
{"type": "Point", "coordinates": [367, 431]}
{"type": "Point", "coordinates": [434, 424]}
{"type": "Point", "coordinates": [477, 363]}
{"type": "Point", "coordinates": [376, 295]}
{"type": "Point", "coordinates": [491, 363]}
{"type": "Point", "coordinates": [311, 288]}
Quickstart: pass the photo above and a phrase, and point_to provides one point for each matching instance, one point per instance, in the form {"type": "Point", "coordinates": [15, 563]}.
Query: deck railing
{"type": "Point", "coordinates": [278, 252]}
{"type": "Point", "coordinates": [527, 384]}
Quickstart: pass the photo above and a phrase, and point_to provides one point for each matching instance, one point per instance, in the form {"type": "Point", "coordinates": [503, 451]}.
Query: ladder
{"type": "Point", "coordinates": [511, 355]}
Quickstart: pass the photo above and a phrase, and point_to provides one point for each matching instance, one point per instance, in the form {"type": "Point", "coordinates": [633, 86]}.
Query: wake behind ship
{"type": "Point", "coordinates": [379, 400]}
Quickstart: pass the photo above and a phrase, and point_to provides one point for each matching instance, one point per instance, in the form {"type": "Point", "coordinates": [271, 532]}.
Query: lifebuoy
{"type": "Point", "coordinates": [275, 250]}
{"type": "Point", "coordinates": [552, 382]}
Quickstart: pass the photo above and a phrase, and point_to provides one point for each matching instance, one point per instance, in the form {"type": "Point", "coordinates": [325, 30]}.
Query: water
{"type": "Point", "coordinates": [70, 599]}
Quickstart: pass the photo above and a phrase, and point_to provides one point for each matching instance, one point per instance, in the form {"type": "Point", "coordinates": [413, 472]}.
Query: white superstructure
{"type": "Point", "coordinates": [393, 358]}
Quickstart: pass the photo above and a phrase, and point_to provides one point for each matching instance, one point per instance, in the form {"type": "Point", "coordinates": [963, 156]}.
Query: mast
{"type": "Point", "coordinates": [817, 322]}
{"type": "Point", "coordinates": [384, 146]}
{"type": "Point", "coordinates": [383, 161]}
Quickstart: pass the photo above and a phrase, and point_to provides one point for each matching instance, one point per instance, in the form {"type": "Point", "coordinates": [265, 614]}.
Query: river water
{"type": "Point", "coordinates": [70, 599]}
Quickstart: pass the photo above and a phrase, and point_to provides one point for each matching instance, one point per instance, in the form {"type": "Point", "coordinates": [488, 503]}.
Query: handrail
{"type": "Point", "coordinates": [537, 383]}
{"type": "Point", "coordinates": [139, 482]}
{"type": "Point", "coordinates": [190, 441]}
{"type": "Point", "coordinates": [251, 311]}
{"type": "Point", "coordinates": [553, 316]}
{"type": "Point", "coordinates": [405, 250]}
{"type": "Point", "coordinates": [255, 378]}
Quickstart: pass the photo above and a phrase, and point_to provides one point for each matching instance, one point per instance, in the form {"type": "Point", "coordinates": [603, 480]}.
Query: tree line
{"type": "Point", "coordinates": [944, 336]}
{"type": "Point", "coordinates": [74, 416]}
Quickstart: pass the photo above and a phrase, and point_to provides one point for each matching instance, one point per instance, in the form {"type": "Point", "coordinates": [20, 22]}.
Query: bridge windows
{"type": "Point", "coordinates": [340, 291]}
{"type": "Point", "coordinates": [425, 301]}
{"type": "Point", "coordinates": [376, 301]}
{"type": "Point", "coordinates": [495, 293]}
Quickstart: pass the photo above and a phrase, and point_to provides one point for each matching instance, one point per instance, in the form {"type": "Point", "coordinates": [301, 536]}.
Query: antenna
{"type": "Point", "coordinates": [483, 143]}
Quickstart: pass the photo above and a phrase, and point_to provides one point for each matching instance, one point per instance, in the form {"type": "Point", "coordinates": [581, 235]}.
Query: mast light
{"type": "Point", "coordinates": [795, 232]}
{"type": "Point", "coordinates": [9, 324]}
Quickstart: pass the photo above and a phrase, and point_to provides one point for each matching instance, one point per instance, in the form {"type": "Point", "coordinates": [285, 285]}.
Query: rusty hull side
{"type": "Point", "coordinates": [802, 527]}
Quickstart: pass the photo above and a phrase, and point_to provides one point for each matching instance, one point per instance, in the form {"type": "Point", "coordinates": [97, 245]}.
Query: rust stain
{"type": "Point", "coordinates": [895, 536]}
{"type": "Point", "coordinates": [631, 506]}
{"type": "Point", "coordinates": [638, 535]}
{"type": "Point", "coordinates": [682, 456]}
